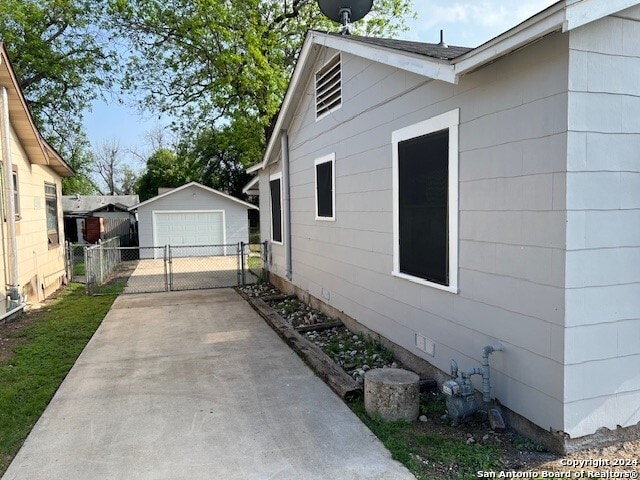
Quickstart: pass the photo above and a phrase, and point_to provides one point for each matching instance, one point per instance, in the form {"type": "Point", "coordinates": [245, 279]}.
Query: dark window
{"type": "Point", "coordinates": [16, 195]}
{"type": "Point", "coordinates": [324, 189]}
{"type": "Point", "coordinates": [423, 191]}
{"type": "Point", "coordinates": [51, 198]}
{"type": "Point", "coordinates": [276, 210]}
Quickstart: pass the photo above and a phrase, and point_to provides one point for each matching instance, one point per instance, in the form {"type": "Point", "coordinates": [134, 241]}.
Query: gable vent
{"type": "Point", "coordinates": [329, 87]}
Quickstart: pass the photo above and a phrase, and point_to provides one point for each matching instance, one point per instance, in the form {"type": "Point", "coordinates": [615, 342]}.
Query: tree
{"type": "Point", "coordinates": [214, 60]}
{"type": "Point", "coordinates": [223, 155]}
{"type": "Point", "coordinates": [166, 169]}
{"type": "Point", "coordinates": [107, 160]}
{"type": "Point", "coordinates": [75, 150]}
{"type": "Point", "coordinates": [128, 181]}
{"type": "Point", "coordinates": [57, 48]}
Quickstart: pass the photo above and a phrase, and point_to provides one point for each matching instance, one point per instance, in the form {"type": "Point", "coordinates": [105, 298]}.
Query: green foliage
{"type": "Point", "coordinates": [77, 153]}
{"type": "Point", "coordinates": [31, 377]}
{"type": "Point", "coordinates": [223, 155]}
{"type": "Point", "coordinates": [58, 52]}
{"type": "Point", "coordinates": [166, 169]}
{"type": "Point", "coordinates": [204, 61]}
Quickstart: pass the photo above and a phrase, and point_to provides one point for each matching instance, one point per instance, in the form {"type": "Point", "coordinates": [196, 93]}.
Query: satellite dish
{"type": "Point", "coordinates": [345, 11]}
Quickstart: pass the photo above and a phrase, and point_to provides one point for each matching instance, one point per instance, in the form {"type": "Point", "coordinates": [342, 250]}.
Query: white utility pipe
{"type": "Point", "coordinates": [286, 200]}
{"type": "Point", "coordinates": [11, 211]}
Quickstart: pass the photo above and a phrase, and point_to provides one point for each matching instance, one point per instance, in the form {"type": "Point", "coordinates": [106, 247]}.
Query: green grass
{"type": "Point", "coordinates": [433, 455]}
{"type": "Point", "coordinates": [254, 263]}
{"type": "Point", "coordinates": [51, 345]}
{"type": "Point", "coordinates": [78, 268]}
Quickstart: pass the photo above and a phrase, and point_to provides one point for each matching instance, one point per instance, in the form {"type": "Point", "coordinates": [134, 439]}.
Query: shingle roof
{"type": "Point", "coordinates": [432, 50]}
{"type": "Point", "coordinates": [89, 203]}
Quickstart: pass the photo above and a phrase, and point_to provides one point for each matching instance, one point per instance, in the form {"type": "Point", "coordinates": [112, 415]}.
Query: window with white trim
{"type": "Point", "coordinates": [325, 181]}
{"type": "Point", "coordinates": [16, 190]}
{"type": "Point", "coordinates": [328, 87]}
{"type": "Point", "coordinates": [275, 187]}
{"type": "Point", "coordinates": [425, 202]}
{"type": "Point", "coordinates": [51, 200]}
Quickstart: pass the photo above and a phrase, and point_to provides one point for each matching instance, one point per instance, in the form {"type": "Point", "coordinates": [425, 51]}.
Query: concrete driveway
{"type": "Point", "coordinates": [194, 385]}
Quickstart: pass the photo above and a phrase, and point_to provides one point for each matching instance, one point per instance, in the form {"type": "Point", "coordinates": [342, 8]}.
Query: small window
{"type": "Point", "coordinates": [425, 191]}
{"type": "Point", "coordinates": [329, 87]}
{"type": "Point", "coordinates": [275, 186]}
{"type": "Point", "coordinates": [325, 187]}
{"type": "Point", "coordinates": [51, 198]}
{"type": "Point", "coordinates": [16, 190]}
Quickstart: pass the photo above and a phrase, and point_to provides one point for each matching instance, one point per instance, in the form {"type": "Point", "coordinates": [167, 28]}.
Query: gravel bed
{"type": "Point", "coordinates": [353, 352]}
{"type": "Point", "coordinates": [260, 290]}
{"type": "Point", "coordinates": [298, 313]}
{"type": "Point", "coordinates": [357, 354]}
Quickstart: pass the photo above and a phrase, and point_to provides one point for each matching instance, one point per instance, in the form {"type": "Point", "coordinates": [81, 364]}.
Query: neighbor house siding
{"type": "Point", "coordinates": [41, 267]}
{"type": "Point", "coordinates": [602, 347]}
{"type": "Point", "coordinates": [511, 221]}
{"type": "Point", "coordinates": [195, 198]}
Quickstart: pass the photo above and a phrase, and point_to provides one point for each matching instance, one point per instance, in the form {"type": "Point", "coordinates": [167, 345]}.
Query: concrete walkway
{"type": "Point", "coordinates": [195, 385]}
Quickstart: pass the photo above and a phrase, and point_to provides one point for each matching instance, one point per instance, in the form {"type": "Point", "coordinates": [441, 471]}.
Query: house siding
{"type": "Point", "coordinates": [41, 268]}
{"type": "Point", "coordinates": [195, 198]}
{"type": "Point", "coordinates": [512, 194]}
{"type": "Point", "coordinates": [602, 351]}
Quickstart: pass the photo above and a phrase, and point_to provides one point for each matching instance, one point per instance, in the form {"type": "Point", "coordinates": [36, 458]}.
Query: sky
{"type": "Point", "coordinates": [467, 23]}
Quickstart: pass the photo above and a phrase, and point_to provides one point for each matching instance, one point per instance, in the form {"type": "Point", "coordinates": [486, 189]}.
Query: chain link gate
{"type": "Point", "coordinates": [172, 268]}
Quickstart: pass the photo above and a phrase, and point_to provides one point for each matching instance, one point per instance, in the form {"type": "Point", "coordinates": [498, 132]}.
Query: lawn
{"type": "Point", "coordinates": [46, 349]}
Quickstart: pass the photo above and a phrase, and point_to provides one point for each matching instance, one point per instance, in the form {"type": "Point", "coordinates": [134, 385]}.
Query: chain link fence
{"type": "Point", "coordinates": [75, 261]}
{"type": "Point", "coordinates": [254, 260]}
{"type": "Point", "coordinates": [112, 268]}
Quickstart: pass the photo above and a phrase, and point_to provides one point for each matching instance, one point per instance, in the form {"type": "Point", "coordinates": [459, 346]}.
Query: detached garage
{"type": "Point", "coordinates": [193, 216]}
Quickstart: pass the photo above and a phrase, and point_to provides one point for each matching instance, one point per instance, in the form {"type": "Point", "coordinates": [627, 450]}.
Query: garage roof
{"type": "Point", "coordinates": [193, 184]}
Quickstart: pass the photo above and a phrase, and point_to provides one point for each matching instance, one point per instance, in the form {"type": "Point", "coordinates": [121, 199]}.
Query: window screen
{"type": "Point", "coordinates": [324, 189]}
{"type": "Point", "coordinates": [51, 198]}
{"type": "Point", "coordinates": [423, 206]}
{"type": "Point", "coordinates": [276, 210]}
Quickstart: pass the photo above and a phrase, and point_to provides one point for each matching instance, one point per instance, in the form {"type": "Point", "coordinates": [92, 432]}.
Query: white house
{"type": "Point", "coordinates": [448, 198]}
{"type": "Point", "coordinates": [192, 215]}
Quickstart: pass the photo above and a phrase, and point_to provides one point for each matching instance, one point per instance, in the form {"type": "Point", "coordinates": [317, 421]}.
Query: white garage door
{"type": "Point", "coordinates": [188, 228]}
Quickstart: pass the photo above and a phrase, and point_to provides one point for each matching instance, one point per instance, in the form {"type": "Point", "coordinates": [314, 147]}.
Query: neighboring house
{"type": "Point", "coordinates": [450, 198]}
{"type": "Point", "coordinates": [191, 215]}
{"type": "Point", "coordinates": [32, 241]}
{"type": "Point", "coordinates": [89, 218]}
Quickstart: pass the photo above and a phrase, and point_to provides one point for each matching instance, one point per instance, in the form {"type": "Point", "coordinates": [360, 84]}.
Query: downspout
{"type": "Point", "coordinates": [286, 201]}
{"type": "Point", "coordinates": [12, 291]}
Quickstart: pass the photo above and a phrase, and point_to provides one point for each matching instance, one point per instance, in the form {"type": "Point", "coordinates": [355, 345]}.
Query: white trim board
{"type": "Point", "coordinates": [318, 161]}
{"type": "Point", "coordinates": [276, 176]}
{"type": "Point", "coordinates": [449, 120]}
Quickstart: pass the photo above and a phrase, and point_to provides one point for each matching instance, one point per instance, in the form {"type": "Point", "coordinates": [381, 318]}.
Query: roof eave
{"type": "Point", "coordinates": [192, 184]}
{"type": "Point", "coordinates": [38, 150]}
{"type": "Point", "coordinates": [565, 15]}
{"type": "Point", "coordinates": [249, 189]}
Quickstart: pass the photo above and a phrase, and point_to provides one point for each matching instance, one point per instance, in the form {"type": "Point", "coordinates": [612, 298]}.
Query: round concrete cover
{"type": "Point", "coordinates": [393, 376]}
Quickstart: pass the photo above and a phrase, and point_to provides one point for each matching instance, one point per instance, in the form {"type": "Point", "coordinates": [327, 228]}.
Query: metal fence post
{"type": "Point", "coordinates": [166, 278]}
{"type": "Point", "coordinates": [170, 269]}
{"type": "Point", "coordinates": [87, 271]}
{"type": "Point", "coordinates": [242, 266]}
